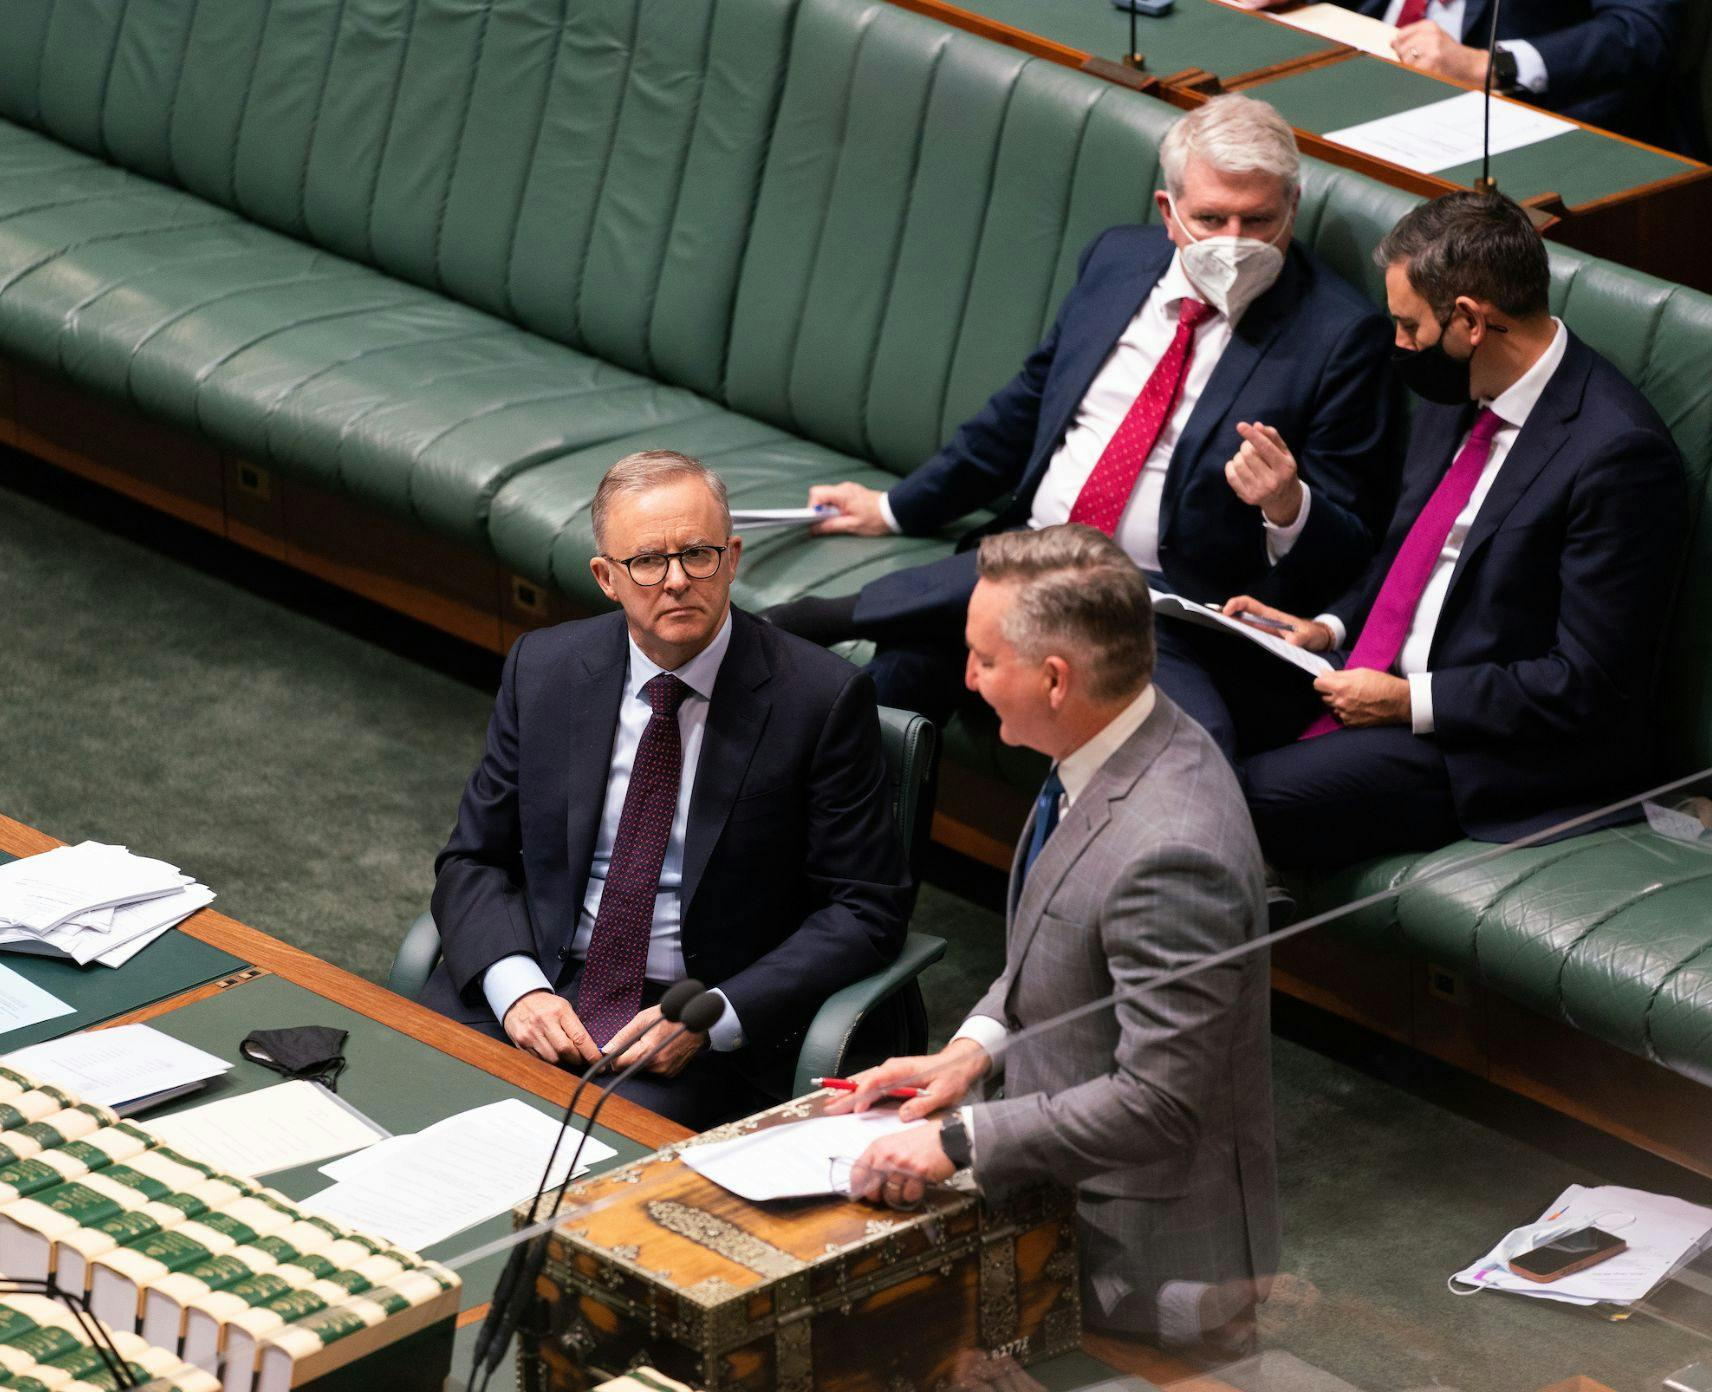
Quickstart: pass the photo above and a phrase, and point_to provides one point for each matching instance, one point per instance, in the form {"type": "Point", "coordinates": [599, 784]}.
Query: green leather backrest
{"type": "Point", "coordinates": [585, 167]}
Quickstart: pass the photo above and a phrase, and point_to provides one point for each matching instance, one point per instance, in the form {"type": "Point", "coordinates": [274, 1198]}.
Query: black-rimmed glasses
{"type": "Point", "coordinates": [649, 568]}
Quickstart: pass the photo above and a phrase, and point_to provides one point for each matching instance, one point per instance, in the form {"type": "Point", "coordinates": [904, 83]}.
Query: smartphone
{"type": "Point", "coordinates": [1562, 1256]}
{"type": "Point", "coordinates": [1154, 8]}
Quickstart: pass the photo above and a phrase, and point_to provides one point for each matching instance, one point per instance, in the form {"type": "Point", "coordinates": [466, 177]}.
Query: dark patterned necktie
{"type": "Point", "coordinates": [610, 990]}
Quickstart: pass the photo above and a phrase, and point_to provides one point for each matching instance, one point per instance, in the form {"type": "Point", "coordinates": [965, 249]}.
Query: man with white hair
{"type": "Point", "coordinates": [1157, 409]}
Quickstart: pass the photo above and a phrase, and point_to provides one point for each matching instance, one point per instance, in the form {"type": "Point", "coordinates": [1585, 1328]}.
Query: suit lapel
{"type": "Point", "coordinates": [736, 715]}
{"type": "Point", "coordinates": [1253, 335]}
{"type": "Point", "coordinates": [1539, 439]}
{"type": "Point", "coordinates": [1092, 812]}
{"type": "Point", "coordinates": [594, 688]}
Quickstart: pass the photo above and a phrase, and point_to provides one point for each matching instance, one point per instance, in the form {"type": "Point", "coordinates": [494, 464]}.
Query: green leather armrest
{"type": "Point", "coordinates": [822, 1054]}
{"type": "Point", "coordinates": [417, 957]}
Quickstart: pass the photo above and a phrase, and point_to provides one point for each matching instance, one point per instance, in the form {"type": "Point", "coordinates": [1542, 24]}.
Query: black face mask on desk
{"type": "Point", "coordinates": [315, 1052]}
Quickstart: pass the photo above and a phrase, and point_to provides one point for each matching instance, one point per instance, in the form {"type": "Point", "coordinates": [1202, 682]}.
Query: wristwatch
{"type": "Point", "coordinates": [1505, 72]}
{"type": "Point", "coordinates": [954, 1141]}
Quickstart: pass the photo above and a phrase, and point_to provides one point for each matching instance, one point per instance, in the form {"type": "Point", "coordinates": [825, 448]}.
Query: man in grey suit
{"type": "Point", "coordinates": [1140, 859]}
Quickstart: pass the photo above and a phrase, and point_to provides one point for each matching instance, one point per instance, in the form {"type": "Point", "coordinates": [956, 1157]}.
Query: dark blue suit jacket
{"type": "Point", "coordinates": [1607, 61]}
{"type": "Point", "coordinates": [1545, 655]}
{"type": "Point", "coordinates": [794, 881]}
{"type": "Point", "coordinates": [1309, 357]}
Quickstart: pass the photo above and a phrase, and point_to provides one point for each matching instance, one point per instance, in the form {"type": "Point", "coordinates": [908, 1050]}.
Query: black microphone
{"type": "Point", "coordinates": [679, 995]}
{"type": "Point", "coordinates": [1486, 183]}
{"type": "Point", "coordinates": [700, 1015]}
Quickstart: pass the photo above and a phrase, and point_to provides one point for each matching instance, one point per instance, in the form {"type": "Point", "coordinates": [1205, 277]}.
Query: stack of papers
{"type": "Point", "coordinates": [128, 1068]}
{"type": "Point", "coordinates": [1662, 1234]}
{"type": "Point", "coordinates": [272, 1129]}
{"type": "Point", "coordinates": [800, 1160]}
{"type": "Point", "coordinates": [92, 903]}
{"type": "Point", "coordinates": [421, 1189]}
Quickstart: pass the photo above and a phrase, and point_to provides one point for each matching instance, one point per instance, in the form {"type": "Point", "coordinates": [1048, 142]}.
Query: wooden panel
{"type": "Point", "coordinates": [255, 507]}
{"type": "Point", "coordinates": [1447, 1016]}
{"type": "Point", "coordinates": [1367, 987]}
{"type": "Point", "coordinates": [526, 604]}
{"type": "Point", "coordinates": [119, 449]}
{"type": "Point", "coordinates": [443, 583]}
{"type": "Point", "coordinates": [978, 816]}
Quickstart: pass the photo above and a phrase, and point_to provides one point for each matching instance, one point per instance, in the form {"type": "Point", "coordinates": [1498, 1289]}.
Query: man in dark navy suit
{"type": "Point", "coordinates": [673, 790]}
{"type": "Point", "coordinates": [1176, 354]}
{"type": "Point", "coordinates": [1498, 657]}
{"type": "Point", "coordinates": [1600, 61]}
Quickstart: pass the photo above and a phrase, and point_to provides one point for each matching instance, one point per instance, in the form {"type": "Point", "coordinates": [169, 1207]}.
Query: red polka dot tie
{"type": "Point", "coordinates": [610, 990]}
{"type": "Point", "coordinates": [1413, 12]}
{"type": "Point", "coordinates": [1106, 493]}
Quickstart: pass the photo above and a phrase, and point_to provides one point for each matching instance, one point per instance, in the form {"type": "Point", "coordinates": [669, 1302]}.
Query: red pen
{"type": "Point", "coordinates": [902, 1094]}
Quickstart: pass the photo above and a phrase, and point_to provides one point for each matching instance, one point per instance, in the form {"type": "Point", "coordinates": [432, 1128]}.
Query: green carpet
{"type": "Point", "coordinates": [303, 752]}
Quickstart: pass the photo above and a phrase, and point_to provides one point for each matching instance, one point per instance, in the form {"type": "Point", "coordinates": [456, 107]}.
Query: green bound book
{"type": "Point", "coordinates": [318, 1342]}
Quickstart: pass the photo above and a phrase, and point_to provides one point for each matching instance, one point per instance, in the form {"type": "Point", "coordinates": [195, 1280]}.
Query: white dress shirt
{"type": "Point", "coordinates": [1109, 398]}
{"type": "Point", "coordinates": [514, 976]}
{"type": "Point", "coordinates": [1530, 67]}
{"type": "Point", "coordinates": [1513, 406]}
{"type": "Point", "coordinates": [1075, 771]}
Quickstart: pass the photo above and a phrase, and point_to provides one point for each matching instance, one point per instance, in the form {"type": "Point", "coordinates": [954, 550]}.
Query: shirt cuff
{"type": "Point", "coordinates": [1333, 622]}
{"type": "Point", "coordinates": [1421, 702]}
{"type": "Point", "coordinates": [727, 1031]}
{"type": "Point", "coordinates": [1530, 67]}
{"type": "Point", "coordinates": [967, 1116]}
{"type": "Point", "coordinates": [985, 1031]}
{"type": "Point", "coordinates": [888, 516]}
{"type": "Point", "coordinates": [1279, 540]}
{"type": "Point", "coordinates": [510, 978]}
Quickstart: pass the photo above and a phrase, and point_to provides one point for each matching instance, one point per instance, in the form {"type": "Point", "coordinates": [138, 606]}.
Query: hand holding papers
{"type": "Point", "coordinates": [796, 1161]}
{"type": "Point", "coordinates": [421, 1189]}
{"type": "Point", "coordinates": [1175, 607]}
{"type": "Point", "coordinates": [127, 1068]}
{"type": "Point", "coordinates": [92, 903]}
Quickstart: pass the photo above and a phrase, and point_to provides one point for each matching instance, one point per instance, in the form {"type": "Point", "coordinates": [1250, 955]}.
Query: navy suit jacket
{"type": "Point", "coordinates": [1607, 61]}
{"type": "Point", "coordinates": [1545, 656]}
{"type": "Point", "coordinates": [794, 880]}
{"type": "Point", "coordinates": [1308, 356]}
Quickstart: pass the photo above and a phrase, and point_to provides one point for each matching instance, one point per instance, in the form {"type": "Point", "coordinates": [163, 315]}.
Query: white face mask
{"type": "Point", "coordinates": [1232, 272]}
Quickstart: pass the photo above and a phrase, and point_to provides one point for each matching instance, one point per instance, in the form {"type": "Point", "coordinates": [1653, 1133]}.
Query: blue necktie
{"type": "Point", "coordinates": [1045, 818]}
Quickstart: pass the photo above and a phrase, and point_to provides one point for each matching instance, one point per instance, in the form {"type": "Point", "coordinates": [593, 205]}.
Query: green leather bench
{"type": "Point", "coordinates": [450, 260]}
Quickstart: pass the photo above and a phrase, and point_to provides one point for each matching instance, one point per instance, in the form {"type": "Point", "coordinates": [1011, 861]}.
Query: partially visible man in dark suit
{"type": "Point", "coordinates": [1605, 62]}
{"type": "Point", "coordinates": [1177, 351]}
{"type": "Point", "coordinates": [1506, 637]}
{"type": "Point", "coordinates": [673, 790]}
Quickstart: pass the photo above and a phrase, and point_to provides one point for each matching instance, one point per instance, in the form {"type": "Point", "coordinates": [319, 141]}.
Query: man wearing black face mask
{"type": "Point", "coordinates": [1498, 655]}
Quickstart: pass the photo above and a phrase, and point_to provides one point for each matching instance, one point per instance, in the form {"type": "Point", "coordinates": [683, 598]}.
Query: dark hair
{"type": "Point", "coordinates": [1478, 244]}
{"type": "Point", "coordinates": [1075, 587]}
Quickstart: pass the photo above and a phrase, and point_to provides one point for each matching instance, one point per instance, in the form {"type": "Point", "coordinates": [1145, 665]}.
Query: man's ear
{"type": "Point", "coordinates": [735, 554]}
{"type": "Point", "coordinates": [601, 569]}
{"type": "Point", "coordinates": [1473, 315]}
{"type": "Point", "coordinates": [1057, 681]}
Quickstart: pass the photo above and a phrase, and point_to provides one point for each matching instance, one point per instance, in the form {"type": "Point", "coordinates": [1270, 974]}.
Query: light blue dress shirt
{"type": "Point", "coordinates": [1530, 67]}
{"type": "Point", "coordinates": [520, 973]}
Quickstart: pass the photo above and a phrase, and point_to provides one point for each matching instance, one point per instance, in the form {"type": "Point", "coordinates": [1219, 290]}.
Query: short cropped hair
{"type": "Point", "coordinates": [1075, 587]}
{"type": "Point", "coordinates": [1478, 244]}
{"type": "Point", "coordinates": [1233, 133]}
{"type": "Point", "coordinates": [637, 473]}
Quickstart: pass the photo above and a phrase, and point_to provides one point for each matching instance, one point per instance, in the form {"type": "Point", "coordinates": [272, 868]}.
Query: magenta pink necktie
{"type": "Point", "coordinates": [1413, 12]}
{"type": "Point", "coordinates": [1106, 493]}
{"type": "Point", "coordinates": [610, 990]}
{"type": "Point", "coordinates": [1393, 611]}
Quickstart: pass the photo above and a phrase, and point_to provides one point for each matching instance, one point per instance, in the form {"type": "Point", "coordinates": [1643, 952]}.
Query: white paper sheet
{"type": "Point", "coordinates": [40, 891]}
{"type": "Point", "coordinates": [1175, 607]}
{"type": "Point", "coordinates": [1343, 26]}
{"type": "Point", "coordinates": [1443, 134]}
{"type": "Point", "coordinates": [469, 1167]}
{"type": "Point", "coordinates": [755, 519]}
{"type": "Point", "coordinates": [22, 1002]}
{"type": "Point", "coordinates": [1661, 1232]}
{"type": "Point", "coordinates": [794, 1161]}
{"type": "Point", "coordinates": [271, 1129]}
{"type": "Point", "coordinates": [118, 1065]}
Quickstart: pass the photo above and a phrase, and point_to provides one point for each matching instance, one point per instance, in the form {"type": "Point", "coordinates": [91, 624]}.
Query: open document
{"type": "Point", "coordinates": [1444, 134]}
{"type": "Point", "coordinates": [128, 1067]}
{"type": "Point", "coordinates": [275, 1128]}
{"type": "Point", "coordinates": [1176, 607]}
{"type": "Point", "coordinates": [800, 1160]}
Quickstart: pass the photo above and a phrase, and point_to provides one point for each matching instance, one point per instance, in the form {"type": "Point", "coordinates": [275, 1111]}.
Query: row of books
{"type": "Point", "coordinates": [46, 1348]}
{"type": "Point", "coordinates": [209, 1267]}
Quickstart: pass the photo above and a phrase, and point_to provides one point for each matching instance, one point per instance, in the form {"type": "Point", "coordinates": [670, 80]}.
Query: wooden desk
{"type": "Point", "coordinates": [1590, 189]}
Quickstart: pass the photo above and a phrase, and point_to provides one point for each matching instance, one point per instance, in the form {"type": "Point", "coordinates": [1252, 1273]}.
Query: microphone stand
{"type": "Point", "coordinates": [93, 1329]}
{"type": "Point", "coordinates": [1486, 183]}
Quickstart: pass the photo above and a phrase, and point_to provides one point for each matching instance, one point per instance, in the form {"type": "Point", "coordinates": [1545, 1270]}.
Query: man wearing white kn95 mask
{"type": "Point", "coordinates": [1153, 410]}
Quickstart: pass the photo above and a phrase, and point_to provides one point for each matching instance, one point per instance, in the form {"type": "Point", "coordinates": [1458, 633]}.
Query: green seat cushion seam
{"type": "Point", "coordinates": [178, 86]}
{"type": "Point", "coordinates": [1652, 1000]}
{"type": "Point", "coordinates": [1502, 896]}
{"type": "Point", "coordinates": [38, 118]}
{"type": "Point", "coordinates": [386, 136]}
{"type": "Point", "coordinates": [337, 28]}
{"type": "Point", "coordinates": [106, 83]}
{"type": "Point", "coordinates": [56, 254]}
{"type": "Point", "coordinates": [123, 281]}
{"type": "Point", "coordinates": [244, 110]}
{"type": "Point", "coordinates": [529, 168]}
{"type": "Point", "coordinates": [445, 198]}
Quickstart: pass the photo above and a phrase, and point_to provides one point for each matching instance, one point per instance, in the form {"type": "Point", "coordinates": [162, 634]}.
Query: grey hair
{"type": "Point", "coordinates": [1075, 588]}
{"type": "Point", "coordinates": [1233, 133]}
{"type": "Point", "coordinates": [637, 473]}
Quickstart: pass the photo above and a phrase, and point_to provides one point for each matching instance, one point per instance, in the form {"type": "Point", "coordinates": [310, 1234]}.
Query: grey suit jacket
{"type": "Point", "coordinates": [1160, 1109]}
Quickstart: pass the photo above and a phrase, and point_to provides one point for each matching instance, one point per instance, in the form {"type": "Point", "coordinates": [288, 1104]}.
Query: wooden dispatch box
{"type": "Point", "coordinates": [656, 1266]}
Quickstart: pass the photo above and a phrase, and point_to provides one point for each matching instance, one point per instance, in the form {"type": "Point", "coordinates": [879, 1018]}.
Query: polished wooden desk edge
{"type": "Point", "coordinates": [379, 1004]}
